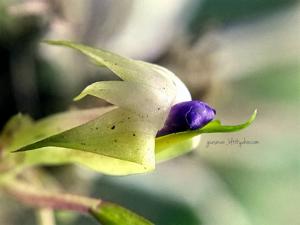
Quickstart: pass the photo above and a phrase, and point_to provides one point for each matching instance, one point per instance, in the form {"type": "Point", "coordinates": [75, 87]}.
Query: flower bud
{"type": "Point", "coordinates": [190, 115]}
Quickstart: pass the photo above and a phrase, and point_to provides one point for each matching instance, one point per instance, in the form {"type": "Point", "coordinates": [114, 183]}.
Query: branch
{"type": "Point", "coordinates": [105, 212]}
{"type": "Point", "coordinates": [37, 197]}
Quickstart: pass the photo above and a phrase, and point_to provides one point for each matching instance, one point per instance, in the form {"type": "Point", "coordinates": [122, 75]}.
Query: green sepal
{"type": "Point", "coordinates": [173, 145]}
{"type": "Point", "coordinates": [117, 142]}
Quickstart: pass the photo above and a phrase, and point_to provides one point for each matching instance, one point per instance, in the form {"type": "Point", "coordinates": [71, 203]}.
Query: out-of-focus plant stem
{"type": "Point", "coordinates": [45, 216]}
{"type": "Point", "coordinates": [41, 198]}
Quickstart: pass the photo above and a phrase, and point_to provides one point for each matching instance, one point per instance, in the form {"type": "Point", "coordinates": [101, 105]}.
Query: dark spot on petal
{"type": "Point", "coordinates": [97, 128]}
{"type": "Point", "coordinates": [133, 134]}
{"type": "Point", "coordinates": [113, 127]}
{"type": "Point", "coordinates": [115, 140]}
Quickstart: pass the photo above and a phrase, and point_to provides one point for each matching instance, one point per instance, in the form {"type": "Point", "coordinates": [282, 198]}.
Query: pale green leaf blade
{"type": "Point", "coordinates": [172, 145]}
{"type": "Point", "coordinates": [112, 214]}
{"type": "Point", "coordinates": [119, 140]}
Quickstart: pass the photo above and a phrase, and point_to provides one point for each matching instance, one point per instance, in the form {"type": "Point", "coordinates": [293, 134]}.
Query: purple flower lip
{"type": "Point", "coordinates": [190, 115]}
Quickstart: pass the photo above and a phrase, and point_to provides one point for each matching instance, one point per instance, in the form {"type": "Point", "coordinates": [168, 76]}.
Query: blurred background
{"type": "Point", "coordinates": [235, 55]}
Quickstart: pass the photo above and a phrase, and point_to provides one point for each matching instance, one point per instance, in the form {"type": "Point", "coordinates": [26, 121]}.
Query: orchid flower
{"type": "Point", "coordinates": [153, 119]}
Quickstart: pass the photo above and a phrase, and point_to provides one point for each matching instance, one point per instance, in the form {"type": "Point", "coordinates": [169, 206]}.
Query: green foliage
{"type": "Point", "coordinates": [112, 214]}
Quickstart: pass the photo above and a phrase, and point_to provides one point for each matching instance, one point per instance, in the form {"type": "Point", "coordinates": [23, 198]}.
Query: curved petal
{"type": "Point", "coordinates": [127, 69]}
{"type": "Point", "coordinates": [128, 95]}
{"type": "Point", "coordinates": [151, 85]}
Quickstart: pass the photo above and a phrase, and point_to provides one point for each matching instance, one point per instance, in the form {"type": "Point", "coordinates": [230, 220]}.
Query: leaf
{"type": "Point", "coordinates": [112, 214]}
{"type": "Point", "coordinates": [172, 145]}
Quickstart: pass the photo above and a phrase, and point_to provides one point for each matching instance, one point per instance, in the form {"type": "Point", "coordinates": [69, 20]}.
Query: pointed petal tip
{"type": "Point", "coordinates": [78, 97]}
{"type": "Point", "coordinates": [253, 116]}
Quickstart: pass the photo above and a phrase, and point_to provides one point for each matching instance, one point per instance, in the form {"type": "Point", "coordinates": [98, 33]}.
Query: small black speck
{"type": "Point", "coordinates": [115, 140]}
{"type": "Point", "coordinates": [97, 128]}
{"type": "Point", "coordinates": [113, 127]}
{"type": "Point", "coordinates": [83, 143]}
{"type": "Point", "coordinates": [128, 118]}
{"type": "Point", "coordinates": [158, 108]}
{"type": "Point", "coordinates": [133, 134]}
